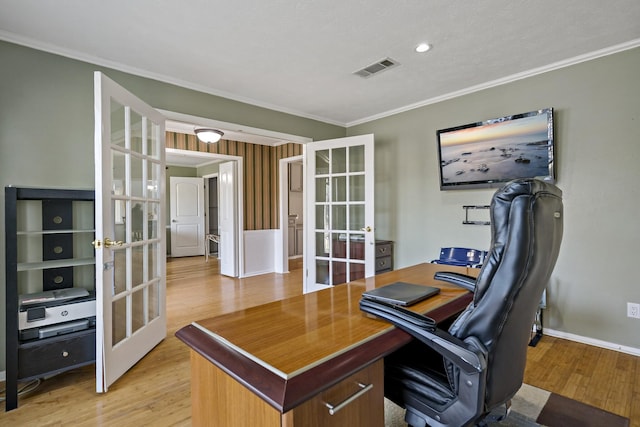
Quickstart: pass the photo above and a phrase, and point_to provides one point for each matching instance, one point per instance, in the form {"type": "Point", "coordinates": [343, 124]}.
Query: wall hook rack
{"type": "Point", "coordinates": [467, 208]}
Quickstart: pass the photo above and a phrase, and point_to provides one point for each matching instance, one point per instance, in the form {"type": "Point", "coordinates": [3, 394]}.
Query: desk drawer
{"type": "Point", "coordinates": [357, 401]}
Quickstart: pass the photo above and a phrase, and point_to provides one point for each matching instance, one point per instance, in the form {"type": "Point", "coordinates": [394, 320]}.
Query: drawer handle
{"type": "Point", "coordinates": [65, 354]}
{"type": "Point", "coordinates": [363, 389]}
{"type": "Point", "coordinates": [383, 250]}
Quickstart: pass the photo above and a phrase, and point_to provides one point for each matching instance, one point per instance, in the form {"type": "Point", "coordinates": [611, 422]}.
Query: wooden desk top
{"type": "Point", "coordinates": [287, 351]}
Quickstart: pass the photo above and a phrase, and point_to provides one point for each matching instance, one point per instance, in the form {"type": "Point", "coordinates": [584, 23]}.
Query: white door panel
{"type": "Point", "coordinates": [130, 206]}
{"type": "Point", "coordinates": [187, 236]}
{"type": "Point", "coordinates": [228, 215]}
{"type": "Point", "coordinates": [187, 216]}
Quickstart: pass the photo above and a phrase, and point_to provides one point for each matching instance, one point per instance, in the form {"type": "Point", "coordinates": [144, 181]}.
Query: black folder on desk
{"type": "Point", "coordinates": [401, 293]}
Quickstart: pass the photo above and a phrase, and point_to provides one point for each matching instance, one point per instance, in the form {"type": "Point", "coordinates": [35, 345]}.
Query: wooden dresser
{"type": "Point", "coordinates": [384, 256]}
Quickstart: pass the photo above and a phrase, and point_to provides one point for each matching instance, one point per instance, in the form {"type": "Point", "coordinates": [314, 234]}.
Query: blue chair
{"type": "Point", "coordinates": [465, 257]}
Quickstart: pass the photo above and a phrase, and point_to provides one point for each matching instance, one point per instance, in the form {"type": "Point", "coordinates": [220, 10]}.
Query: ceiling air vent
{"type": "Point", "coordinates": [383, 64]}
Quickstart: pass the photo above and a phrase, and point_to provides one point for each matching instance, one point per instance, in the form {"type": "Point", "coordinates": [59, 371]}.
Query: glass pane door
{"type": "Point", "coordinates": [341, 211]}
{"type": "Point", "coordinates": [130, 253]}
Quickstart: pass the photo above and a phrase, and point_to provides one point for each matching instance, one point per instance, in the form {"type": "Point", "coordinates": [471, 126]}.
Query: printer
{"type": "Point", "coordinates": [55, 312]}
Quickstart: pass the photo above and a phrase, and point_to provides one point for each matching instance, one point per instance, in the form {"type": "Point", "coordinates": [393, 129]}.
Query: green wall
{"type": "Point", "coordinates": [597, 132]}
{"type": "Point", "coordinates": [46, 123]}
{"type": "Point", "coordinates": [208, 169]}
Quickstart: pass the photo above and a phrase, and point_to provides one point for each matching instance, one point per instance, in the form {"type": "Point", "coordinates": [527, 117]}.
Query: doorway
{"type": "Point", "coordinates": [211, 203]}
{"type": "Point", "coordinates": [292, 214]}
{"type": "Point", "coordinates": [202, 166]}
{"type": "Point", "coordinates": [186, 123]}
{"type": "Point", "coordinates": [187, 216]}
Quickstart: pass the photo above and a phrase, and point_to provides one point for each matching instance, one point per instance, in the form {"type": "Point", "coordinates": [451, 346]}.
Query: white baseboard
{"type": "Point", "coordinates": [592, 341]}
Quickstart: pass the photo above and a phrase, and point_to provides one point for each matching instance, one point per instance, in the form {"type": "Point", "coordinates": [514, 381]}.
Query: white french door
{"type": "Point", "coordinates": [130, 230]}
{"type": "Point", "coordinates": [339, 228]}
{"type": "Point", "coordinates": [187, 216]}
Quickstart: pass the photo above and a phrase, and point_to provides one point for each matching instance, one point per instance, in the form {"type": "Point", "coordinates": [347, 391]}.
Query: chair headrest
{"type": "Point", "coordinates": [508, 205]}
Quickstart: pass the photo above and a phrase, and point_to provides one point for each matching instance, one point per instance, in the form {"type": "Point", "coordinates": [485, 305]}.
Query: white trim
{"type": "Point", "coordinates": [3, 376]}
{"type": "Point", "coordinates": [232, 131]}
{"type": "Point", "coordinates": [504, 80]}
{"type": "Point", "coordinates": [277, 371]}
{"type": "Point", "coordinates": [592, 341]}
{"type": "Point", "coordinates": [203, 121]}
{"type": "Point", "coordinates": [207, 158]}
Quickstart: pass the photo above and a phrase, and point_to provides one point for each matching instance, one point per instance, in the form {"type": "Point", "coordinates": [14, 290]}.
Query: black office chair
{"type": "Point", "coordinates": [457, 377]}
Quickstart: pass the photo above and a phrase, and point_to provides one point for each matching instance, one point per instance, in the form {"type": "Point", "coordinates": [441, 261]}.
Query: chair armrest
{"type": "Point", "coordinates": [468, 359]}
{"type": "Point", "coordinates": [450, 262]}
{"type": "Point", "coordinates": [459, 279]}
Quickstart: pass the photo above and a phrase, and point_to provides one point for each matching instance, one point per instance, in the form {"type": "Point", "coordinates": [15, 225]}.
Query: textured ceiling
{"type": "Point", "coordinates": [299, 56]}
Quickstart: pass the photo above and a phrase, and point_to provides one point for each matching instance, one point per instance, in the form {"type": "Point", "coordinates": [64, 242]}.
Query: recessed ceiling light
{"type": "Point", "coordinates": [423, 47]}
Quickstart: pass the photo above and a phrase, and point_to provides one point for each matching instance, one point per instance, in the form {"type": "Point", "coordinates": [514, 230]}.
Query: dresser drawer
{"type": "Point", "coordinates": [383, 263]}
{"type": "Point", "coordinates": [56, 354]}
{"type": "Point", "coordinates": [383, 249]}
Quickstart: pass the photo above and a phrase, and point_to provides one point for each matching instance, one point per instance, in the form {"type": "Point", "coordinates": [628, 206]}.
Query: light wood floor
{"type": "Point", "coordinates": [156, 391]}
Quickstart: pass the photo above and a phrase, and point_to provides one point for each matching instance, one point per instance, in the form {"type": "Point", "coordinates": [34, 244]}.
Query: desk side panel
{"type": "Point", "coordinates": [254, 377]}
{"type": "Point", "coordinates": [219, 400]}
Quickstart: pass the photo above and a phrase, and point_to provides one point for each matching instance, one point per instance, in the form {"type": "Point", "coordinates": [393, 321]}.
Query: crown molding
{"type": "Point", "coordinates": [509, 79]}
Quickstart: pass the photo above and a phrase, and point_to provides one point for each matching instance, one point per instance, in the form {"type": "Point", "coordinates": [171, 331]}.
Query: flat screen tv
{"type": "Point", "coordinates": [487, 154]}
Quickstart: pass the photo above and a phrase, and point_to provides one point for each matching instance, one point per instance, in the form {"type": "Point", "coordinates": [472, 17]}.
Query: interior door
{"type": "Point", "coordinates": [186, 197]}
{"type": "Point", "coordinates": [228, 215]}
{"type": "Point", "coordinates": [130, 230]}
{"type": "Point", "coordinates": [340, 244]}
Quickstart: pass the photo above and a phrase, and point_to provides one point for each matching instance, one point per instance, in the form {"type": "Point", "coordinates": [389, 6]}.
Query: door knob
{"type": "Point", "coordinates": [367, 229]}
{"type": "Point", "coordinates": [107, 243]}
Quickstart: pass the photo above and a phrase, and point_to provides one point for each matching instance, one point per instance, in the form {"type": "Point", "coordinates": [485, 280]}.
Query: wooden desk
{"type": "Point", "coordinates": [279, 363]}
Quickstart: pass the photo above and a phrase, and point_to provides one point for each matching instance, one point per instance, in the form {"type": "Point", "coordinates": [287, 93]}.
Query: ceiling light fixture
{"type": "Point", "coordinates": [209, 135]}
{"type": "Point", "coordinates": [423, 47]}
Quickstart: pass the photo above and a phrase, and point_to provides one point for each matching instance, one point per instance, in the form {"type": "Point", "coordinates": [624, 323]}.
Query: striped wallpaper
{"type": "Point", "coordinates": [260, 173]}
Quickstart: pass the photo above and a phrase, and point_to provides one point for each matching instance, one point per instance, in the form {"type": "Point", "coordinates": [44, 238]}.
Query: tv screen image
{"type": "Point", "coordinates": [489, 153]}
